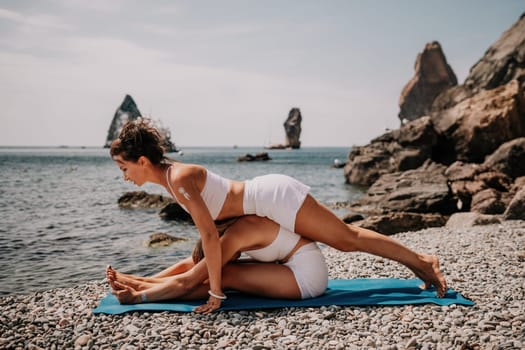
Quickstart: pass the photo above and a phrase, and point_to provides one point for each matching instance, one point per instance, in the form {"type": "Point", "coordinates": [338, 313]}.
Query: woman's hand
{"type": "Point", "coordinates": [212, 305]}
{"type": "Point", "coordinates": [126, 295]}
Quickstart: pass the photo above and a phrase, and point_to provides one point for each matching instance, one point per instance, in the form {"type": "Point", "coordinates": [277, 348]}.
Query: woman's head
{"type": "Point", "coordinates": [138, 138]}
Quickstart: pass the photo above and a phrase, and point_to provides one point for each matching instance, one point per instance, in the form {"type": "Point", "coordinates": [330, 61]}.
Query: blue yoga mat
{"type": "Point", "coordinates": [361, 291]}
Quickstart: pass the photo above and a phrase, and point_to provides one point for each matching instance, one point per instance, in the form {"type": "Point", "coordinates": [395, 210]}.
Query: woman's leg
{"type": "Point", "coordinates": [141, 283]}
{"type": "Point", "coordinates": [265, 279]}
{"type": "Point", "coordinates": [136, 282]}
{"type": "Point", "coordinates": [318, 223]}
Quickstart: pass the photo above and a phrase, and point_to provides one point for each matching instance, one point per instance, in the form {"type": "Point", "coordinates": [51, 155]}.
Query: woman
{"type": "Point", "coordinates": [207, 197]}
{"type": "Point", "coordinates": [301, 272]}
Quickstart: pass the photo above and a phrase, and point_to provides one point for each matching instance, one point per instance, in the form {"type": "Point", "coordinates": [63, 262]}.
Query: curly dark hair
{"type": "Point", "coordinates": [139, 138]}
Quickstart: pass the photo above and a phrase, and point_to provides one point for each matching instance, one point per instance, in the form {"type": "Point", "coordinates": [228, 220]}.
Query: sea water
{"type": "Point", "coordinates": [60, 224]}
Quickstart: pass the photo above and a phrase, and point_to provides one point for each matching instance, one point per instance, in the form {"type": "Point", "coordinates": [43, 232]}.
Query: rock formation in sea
{"type": "Point", "coordinates": [169, 209]}
{"type": "Point", "coordinates": [248, 157]}
{"type": "Point", "coordinates": [128, 110]}
{"type": "Point", "coordinates": [433, 75]}
{"type": "Point", "coordinates": [292, 129]}
{"type": "Point", "coordinates": [461, 148]}
{"type": "Point", "coordinates": [142, 200]}
{"type": "Point", "coordinates": [161, 239]}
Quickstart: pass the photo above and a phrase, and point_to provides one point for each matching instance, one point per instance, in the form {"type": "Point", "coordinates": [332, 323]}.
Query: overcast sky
{"type": "Point", "coordinates": [222, 73]}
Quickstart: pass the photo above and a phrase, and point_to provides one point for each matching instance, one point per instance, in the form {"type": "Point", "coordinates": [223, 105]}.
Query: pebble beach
{"type": "Point", "coordinates": [484, 263]}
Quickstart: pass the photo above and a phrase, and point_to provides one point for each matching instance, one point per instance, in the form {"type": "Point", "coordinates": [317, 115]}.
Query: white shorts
{"type": "Point", "coordinates": [275, 196]}
{"type": "Point", "coordinates": [309, 268]}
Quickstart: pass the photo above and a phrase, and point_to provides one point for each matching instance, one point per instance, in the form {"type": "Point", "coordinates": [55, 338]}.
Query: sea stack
{"type": "Point", "coordinates": [127, 111]}
{"type": "Point", "coordinates": [292, 129]}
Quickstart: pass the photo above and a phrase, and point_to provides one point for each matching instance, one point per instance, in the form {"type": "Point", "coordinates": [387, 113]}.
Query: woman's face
{"type": "Point", "coordinates": [132, 171]}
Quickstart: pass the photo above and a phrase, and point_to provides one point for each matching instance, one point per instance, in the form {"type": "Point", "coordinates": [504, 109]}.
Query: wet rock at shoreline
{"type": "Point", "coordinates": [352, 217]}
{"type": "Point", "coordinates": [173, 211]}
{"type": "Point", "coordinates": [143, 200]}
{"type": "Point", "coordinates": [161, 239]}
{"type": "Point", "coordinates": [395, 222]}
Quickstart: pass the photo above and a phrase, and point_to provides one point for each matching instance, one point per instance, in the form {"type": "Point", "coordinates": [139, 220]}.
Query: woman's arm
{"type": "Point", "coordinates": [175, 269]}
{"type": "Point", "coordinates": [188, 194]}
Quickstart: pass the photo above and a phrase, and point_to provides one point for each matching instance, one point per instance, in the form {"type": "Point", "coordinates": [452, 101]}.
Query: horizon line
{"type": "Point", "coordinates": [179, 147]}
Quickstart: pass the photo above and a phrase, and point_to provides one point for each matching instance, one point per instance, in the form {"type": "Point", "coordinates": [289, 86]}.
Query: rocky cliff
{"type": "Point", "coordinates": [461, 148]}
{"type": "Point", "coordinates": [433, 75]}
{"type": "Point", "coordinates": [128, 110]}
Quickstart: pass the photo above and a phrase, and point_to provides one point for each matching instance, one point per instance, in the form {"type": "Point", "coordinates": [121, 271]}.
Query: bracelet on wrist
{"type": "Point", "coordinates": [143, 297]}
{"type": "Point", "coordinates": [221, 297]}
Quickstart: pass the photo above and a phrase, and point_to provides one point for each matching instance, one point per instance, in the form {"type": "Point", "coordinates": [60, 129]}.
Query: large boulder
{"type": "Point", "coordinates": [433, 75]}
{"type": "Point", "coordinates": [366, 164]}
{"type": "Point", "coordinates": [478, 188]}
{"type": "Point", "coordinates": [487, 201]}
{"type": "Point", "coordinates": [516, 208]}
{"type": "Point", "coordinates": [477, 126]}
{"type": "Point", "coordinates": [459, 221]}
{"type": "Point", "coordinates": [503, 61]}
{"type": "Point", "coordinates": [402, 149]}
{"type": "Point", "coordinates": [421, 190]}
{"type": "Point", "coordinates": [395, 222]}
{"type": "Point", "coordinates": [509, 158]}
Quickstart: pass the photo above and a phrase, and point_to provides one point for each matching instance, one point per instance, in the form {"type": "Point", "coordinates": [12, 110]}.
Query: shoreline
{"type": "Point", "coordinates": [484, 263]}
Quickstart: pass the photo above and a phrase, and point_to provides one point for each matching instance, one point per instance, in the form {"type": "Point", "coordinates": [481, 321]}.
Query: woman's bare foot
{"type": "Point", "coordinates": [430, 273]}
{"type": "Point", "coordinates": [126, 294]}
{"type": "Point", "coordinates": [111, 277]}
{"type": "Point", "coordinates": [114, 276]}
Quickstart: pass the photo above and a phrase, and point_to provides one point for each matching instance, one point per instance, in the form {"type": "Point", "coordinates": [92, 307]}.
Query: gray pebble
{"type": "Point", "coordinates": [476, 263]}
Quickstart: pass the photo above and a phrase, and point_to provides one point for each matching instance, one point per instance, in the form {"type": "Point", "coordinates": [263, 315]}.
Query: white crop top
{"type": "Point", "coordinates": [279, 249]}
{"type": "Point", "coordinates": [214, 192]}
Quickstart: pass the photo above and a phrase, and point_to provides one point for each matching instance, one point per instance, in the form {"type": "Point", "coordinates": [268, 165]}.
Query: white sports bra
{"type": "Point", "coordinates": [214, 192]}
{"type": "Point", "coordinates": [279, 249]}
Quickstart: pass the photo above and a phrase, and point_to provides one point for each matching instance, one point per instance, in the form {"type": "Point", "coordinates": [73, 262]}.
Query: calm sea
{"type": "Point", "coordinates": [60, 224]}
